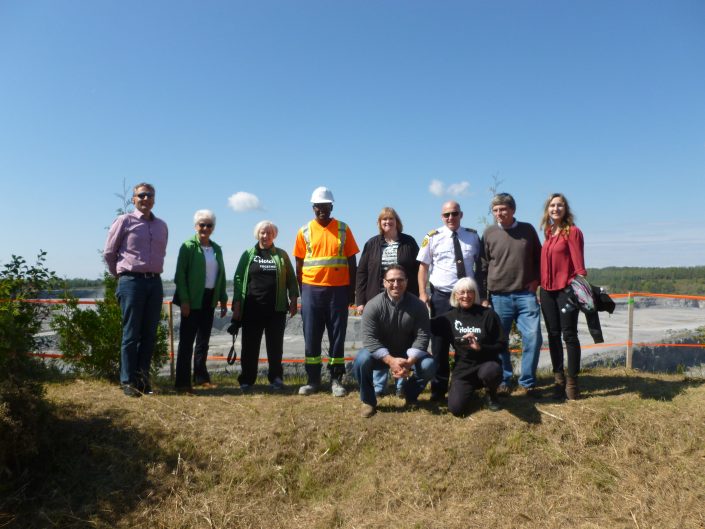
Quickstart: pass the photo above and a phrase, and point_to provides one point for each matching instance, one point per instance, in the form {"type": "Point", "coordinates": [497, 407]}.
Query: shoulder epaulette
{"type": "Point", "coordinates": [470, 230]}
{"type": "Point", "coordinates": [431, 233]}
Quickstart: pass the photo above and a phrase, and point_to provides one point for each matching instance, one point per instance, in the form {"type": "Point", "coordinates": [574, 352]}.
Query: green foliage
{"type": "Point", "coordinates": [22, 408]}
{"type": "Point", "coordinates": [90, 339]}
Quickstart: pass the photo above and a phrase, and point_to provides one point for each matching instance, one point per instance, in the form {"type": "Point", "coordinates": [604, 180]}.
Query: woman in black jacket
{"type": "Point", "coordinates": [390, 247]}
{"type": "Point", "coordinates": [477, 337]}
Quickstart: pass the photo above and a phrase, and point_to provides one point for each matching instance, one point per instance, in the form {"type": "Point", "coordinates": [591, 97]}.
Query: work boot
{"type": "Point", "coordinates": [572, 392]}
{"type": "Point", "coordinates": [337, 388]}
{"type": "Point", "coordinates": [308, 389]}
{"type": "Point", "coordinates": [559, 386]}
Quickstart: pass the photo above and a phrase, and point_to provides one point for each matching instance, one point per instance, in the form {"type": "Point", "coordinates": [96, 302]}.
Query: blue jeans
{"type": "Point", "coordinates": [381, 380]}
{"type": "Point", "coordinates": [140, 301]}
{"type": "Point", "coordinates": [365, 364]}
{"type": "Point", "coordinates": [523, 308]}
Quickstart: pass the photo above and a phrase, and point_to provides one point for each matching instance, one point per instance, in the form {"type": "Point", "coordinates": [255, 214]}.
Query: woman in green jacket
{"type": "Point", "coordinates": [265, 290]}
{"type": "Point", "coordinates": [200, 286]}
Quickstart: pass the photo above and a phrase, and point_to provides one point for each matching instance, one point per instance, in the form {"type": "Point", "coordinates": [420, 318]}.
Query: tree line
{"type": "Point", "coordinates": [670, 280]}
{"type": "Point", "coordinates": [618, 279]}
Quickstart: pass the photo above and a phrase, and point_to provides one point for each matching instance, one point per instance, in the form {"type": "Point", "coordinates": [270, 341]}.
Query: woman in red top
{"type": "Point", "coordinates": [561, 260]}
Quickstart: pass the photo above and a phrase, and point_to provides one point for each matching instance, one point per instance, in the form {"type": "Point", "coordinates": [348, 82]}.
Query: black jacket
{"type": "Point", "coordinates": [369, 270]}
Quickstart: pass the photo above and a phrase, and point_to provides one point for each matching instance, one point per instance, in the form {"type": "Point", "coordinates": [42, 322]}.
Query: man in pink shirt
{"type": "Point", "coordinates": [134, 253]}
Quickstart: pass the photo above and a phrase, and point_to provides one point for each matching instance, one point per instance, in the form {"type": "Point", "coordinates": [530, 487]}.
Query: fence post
{"type": "Point", "coordinates": [630, 330]}
{"type": "Point", "coordinates": [171, 340]}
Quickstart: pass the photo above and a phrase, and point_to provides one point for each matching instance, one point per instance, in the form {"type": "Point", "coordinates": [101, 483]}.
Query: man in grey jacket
{"type": "Point", "coordinates": [395, 335]}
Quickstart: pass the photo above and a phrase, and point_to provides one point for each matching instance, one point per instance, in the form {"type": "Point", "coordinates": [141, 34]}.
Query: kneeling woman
{"type": "Point", "coordinates": [477, 337]}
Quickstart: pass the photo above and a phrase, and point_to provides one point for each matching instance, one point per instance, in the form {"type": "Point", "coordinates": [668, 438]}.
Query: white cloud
{"type": "Point", "coordinates": [244, 201]}
{"type": "Point", "coordinates": [458, 189]}
{"type": "Point", "coordinates": [439, 189]}
{"type": "Point", "coordinates": [436, 188]}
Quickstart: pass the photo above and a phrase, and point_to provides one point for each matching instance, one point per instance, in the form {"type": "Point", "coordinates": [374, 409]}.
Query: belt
{"type": "Point", "coordinates": [145, 275]}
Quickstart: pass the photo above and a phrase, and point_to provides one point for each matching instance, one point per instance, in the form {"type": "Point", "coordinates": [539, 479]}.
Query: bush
{"type": "Point", "coordinates": [22, 407]}
{"type": "Point", "coordinates": [90, 339]}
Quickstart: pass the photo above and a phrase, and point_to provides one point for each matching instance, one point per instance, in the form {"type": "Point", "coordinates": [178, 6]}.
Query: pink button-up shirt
{"type": "Point", "coordinates": [136, 244]}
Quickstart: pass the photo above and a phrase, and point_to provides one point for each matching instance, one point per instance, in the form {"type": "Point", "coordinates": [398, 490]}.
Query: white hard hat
{"type": "Point", "coordinates": [322, 195]}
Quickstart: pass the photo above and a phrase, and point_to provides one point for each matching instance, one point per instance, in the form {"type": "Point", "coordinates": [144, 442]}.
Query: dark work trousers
{"type": "Point", "coordinates": [462, 387]}
{"type": "Point", "coordinates": [324, 309]}
{"type": "Point", "coordinates": [196, 326]}
{"type": "Point", "coordinates": [258, 319]}
{"type": "Point", "coordinates": [557, 323]}
{"type": "Point", "coordinates": [440, 304]}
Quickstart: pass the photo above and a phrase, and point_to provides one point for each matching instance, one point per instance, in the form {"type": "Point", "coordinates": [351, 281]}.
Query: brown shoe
{"type": "Point", "coordinates": [207, 385]}
{"type": "Point", "coordinates": [184, 391]}
{"type": "Point", "coordinates": [367, 411]}
{"type": "Point", "coordinates": [572, 391]}
{"type": "Point", "coordinates": [504, 389]}
{"type": "Point", "coordinates": [559, 386]}
{"type": "Point", "coordinates": [531, 392]}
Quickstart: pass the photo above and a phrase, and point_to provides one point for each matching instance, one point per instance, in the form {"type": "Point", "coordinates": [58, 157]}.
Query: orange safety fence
{"type": "Point", "coordinates": [630, 297]}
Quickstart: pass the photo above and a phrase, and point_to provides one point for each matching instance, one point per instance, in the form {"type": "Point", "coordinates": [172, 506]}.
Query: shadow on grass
{"type": "Point", "coordinates": [90, 472]}
{"type": "Point", "coordinates": [594, 386]}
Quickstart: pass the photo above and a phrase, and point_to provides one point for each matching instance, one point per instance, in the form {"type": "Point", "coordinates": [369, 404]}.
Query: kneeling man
{"type": "Point", "coordinates": [395, 335]}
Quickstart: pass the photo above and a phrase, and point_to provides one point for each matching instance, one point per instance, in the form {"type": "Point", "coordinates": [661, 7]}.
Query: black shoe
{"type": "Point", "coordinates": [492, 403]}
{"type": "Point", "coordinates": [131, 391]}
{"type": "Point", "coordinates": [438, 397]}
{"type": "Point", "coordinates": [411, 404]}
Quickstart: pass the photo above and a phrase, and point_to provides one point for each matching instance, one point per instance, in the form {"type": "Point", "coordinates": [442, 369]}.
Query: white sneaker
{"type": "Point", "coordinates": [308, 389]}
{"type": "Point", "coordinates": [337, 388]}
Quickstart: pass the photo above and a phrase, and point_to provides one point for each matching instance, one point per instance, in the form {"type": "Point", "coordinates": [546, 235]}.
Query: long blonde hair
{"type": "Point", "coordinates": [568, 219]}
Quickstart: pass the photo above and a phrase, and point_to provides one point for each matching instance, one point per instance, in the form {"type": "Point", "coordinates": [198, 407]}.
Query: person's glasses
{"type": "Point", "coordinates": [204, 225]}
{"type": "Point", "coordinates": [449, 214]}
{"type": "Point", "coordinates": [396, 280]}
{"type": "Point", "coordinates": [142, 196]}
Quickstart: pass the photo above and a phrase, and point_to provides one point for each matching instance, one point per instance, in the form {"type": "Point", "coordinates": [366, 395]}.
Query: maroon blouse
{"type": "Point", "coordinates": [562, 259]}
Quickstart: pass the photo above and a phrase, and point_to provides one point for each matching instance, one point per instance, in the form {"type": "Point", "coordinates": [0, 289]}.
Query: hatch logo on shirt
{"type": "Point", "coordinates": [459, 327]}
{"type": "Point", "coordinates": [265, 264]}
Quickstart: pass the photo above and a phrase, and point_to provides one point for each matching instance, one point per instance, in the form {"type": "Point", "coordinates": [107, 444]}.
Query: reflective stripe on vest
{"type": "Point", "coordinates": [328, 262]}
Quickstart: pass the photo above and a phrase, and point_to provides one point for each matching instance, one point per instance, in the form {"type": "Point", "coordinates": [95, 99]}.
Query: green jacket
{"type": "Point", "coordinates": [286, 279]}
{"type": "Point", "coordinates": [190, 277]}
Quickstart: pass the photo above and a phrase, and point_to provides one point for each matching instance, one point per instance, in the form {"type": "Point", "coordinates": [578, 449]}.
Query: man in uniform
{"type": "Point", "coordinates": [447, 254]}
{"type": "Point", "coordinates": [395, 335]}
{"type": "Point", "coordinates": [511, 261]}
{"type": "Point", "coordinates": [325, 252]}
{"type": "Point", "coordinates": [134, 252]}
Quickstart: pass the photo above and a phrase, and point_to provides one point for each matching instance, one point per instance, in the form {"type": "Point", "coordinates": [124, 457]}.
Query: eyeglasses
{"type": "Point", "coordinates": [396, 280]}
{"type": "Point", "coordinates": [204, 225]}
{"type": "Point", "coordinates": [142, 196]}
{"type": "Point", "coordinates": [449, 214]}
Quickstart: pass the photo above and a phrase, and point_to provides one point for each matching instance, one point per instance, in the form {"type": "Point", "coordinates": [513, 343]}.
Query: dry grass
{"type": "Point", "coordinates": [629, 455]}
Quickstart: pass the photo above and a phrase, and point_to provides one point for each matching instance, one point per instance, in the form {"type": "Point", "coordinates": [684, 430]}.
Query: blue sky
{"type": "Point", "coordinates": [601, 100]}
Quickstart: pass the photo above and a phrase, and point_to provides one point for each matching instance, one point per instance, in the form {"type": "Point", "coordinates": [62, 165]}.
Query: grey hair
{"type": "Point", "coordinates": [203, 214]}
{"type": "Point", "coordinates": [263, 224]}
{"type": "Point", "coordinates": [466, 283]}
{"type": "Point", "coordinates": [503, 199]}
